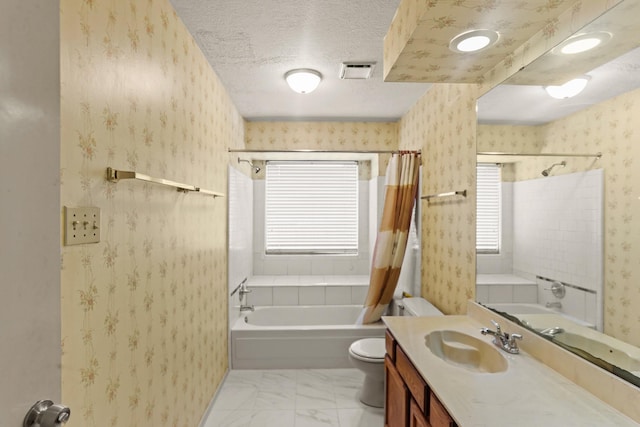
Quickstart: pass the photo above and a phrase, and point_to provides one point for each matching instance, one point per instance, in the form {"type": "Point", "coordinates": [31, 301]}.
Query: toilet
{"type": "Point", "coordinates": [367, 354]}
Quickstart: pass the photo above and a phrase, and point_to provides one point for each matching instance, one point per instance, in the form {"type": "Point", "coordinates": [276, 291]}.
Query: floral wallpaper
{"type": "Point", "coordinates": [144, 311]}
{"type": "Point", "coordinates": [508, 139]}
{"type": "Point", "coordinates": [443, 122]}
{"type": "Point", "coordinates": [443, 125]}
{"type": "Point", "coordinates": [609, 128]}
{"type": "Point", "coordinates": [416, 47]}
{"type": "Point", "coordinates": [324, 136]}
{"type": "Point", "coordinates": [547, 37]}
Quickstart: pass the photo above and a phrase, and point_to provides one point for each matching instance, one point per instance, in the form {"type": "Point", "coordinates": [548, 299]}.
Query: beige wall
{"type": "Point", "coordinates": [443, 125]}
{"type": "Point", "coordinates": [144, 312]}
{"type": "Point", "coordinates": [610, 128]}
{"type": "Point", "coordinates": [323, 136]}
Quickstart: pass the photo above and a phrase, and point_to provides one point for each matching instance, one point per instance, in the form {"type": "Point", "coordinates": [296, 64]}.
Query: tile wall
{"type": "Point", "coordinates": [308, 290]}
{"type": "Point", "coordinates": [558, 224]}
{"type": "Point", "coordinates": [240, 207]}
{"type": "Point", "coordinates": [558, 228]}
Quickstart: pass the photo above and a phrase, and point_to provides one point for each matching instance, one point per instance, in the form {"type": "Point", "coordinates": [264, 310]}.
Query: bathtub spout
{"type": "Point", "coordinates": [247, 308]}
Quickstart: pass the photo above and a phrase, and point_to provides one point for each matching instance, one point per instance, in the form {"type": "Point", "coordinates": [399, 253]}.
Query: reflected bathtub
{"type": "Point", "coordinates": [524, 310]}
{"type": "Point", "coordinates": [296, 337]}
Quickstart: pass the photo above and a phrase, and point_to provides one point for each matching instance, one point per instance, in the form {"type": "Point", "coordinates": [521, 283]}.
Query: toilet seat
{"type": "Point", "coordinates": [369, 350]}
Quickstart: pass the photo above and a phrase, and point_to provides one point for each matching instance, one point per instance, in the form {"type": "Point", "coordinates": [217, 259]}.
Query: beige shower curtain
{"type": "Point", "coordinates": [400, 195]}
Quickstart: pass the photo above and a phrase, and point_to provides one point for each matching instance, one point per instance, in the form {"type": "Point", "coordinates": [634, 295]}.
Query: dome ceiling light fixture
{"type": "Point", "coordinates": [569, 89]}
{"type": "Point", "coordinates": [473, 41]}
{"type": "Point", "coordinates": [303, 80]}
{"type": "Point", "coordinates": [582, 43]}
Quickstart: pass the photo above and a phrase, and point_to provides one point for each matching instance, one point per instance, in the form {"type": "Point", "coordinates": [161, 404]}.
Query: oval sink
{"type": "Point", "coordinates": [465, 351]}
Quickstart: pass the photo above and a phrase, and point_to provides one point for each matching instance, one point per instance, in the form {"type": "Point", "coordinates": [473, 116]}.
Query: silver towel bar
{"type": "Point", "coordinates": [114, 175]}
{"type": "Point", "coordinates": [447, 194]}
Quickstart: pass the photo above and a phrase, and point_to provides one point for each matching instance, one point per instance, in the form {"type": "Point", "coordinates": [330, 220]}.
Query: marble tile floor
{"type": "Point", "coordinates": [292, 398]}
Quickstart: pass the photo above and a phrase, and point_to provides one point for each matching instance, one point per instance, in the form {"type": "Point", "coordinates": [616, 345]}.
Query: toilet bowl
{"type": "Point", "coordinates": [367, 355]}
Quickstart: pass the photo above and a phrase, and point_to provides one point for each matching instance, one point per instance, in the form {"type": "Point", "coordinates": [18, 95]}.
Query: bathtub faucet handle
{"type": "Point", "coordinates": [242, 287]}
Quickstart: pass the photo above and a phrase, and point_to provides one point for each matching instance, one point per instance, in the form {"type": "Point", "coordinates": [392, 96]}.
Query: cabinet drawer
{"type": "Point", "coordinates": [412, 379]}
{"type": "Point", "coordinates": [438, 416]}
{"type": "Point", "coordinates": [390, 345]}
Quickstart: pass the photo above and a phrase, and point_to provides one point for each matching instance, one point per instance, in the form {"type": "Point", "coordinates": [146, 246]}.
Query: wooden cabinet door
{"type": "Point", "coordinates": [396, 413]}
{"type": "Point", "coordinates": [438, 415]}
{"type": "Point", "coordinates": [416, 417]}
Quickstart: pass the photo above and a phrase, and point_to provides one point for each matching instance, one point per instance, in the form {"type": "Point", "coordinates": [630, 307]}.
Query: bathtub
{"type": "Point", "coordinates": [523, 312]}
{"type": "Point", "coordinates": [295, 337]}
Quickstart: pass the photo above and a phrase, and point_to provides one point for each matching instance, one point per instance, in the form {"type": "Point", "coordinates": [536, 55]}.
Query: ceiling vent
{"type": "Point", "coordinates": [356, 70]}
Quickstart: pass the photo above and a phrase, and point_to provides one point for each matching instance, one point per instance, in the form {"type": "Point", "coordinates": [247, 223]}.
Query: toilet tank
{"type": "Point", "coordinates": [418, 307]}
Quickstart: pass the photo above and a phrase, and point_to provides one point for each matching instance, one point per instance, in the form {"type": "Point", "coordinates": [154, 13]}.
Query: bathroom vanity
{"type": "Point", "coordinates": [441, 371]}
{"type": "Point", "coordinates": [408, 400]}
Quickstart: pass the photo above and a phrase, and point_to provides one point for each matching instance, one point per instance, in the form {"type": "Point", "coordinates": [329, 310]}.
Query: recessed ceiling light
{"type": "Point", "coordinates": [473, 41]}
{"type": "Point", "coordinates": [582, 43]}
{"type": "Point", "coordinates": [303, 80]}
{"type": "Point", "coordinates": [569, 89]}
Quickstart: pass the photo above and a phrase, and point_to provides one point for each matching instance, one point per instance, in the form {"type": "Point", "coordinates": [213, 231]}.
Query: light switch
{"type": "Point", "coordinates": [81, 225]}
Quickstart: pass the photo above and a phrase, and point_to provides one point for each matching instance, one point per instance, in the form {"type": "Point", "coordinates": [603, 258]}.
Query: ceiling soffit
{"type": "Point", "coordinates": [416, 47]}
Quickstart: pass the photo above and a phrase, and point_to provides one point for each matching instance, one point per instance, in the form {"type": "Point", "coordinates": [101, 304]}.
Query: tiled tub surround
{"type": "Point", "coordinates": [307, 290]}
{"type": "Point", "coordinates": [240, 213]}
{"type": "Point", "coordinates": [555, 227]}
{"type": "Point", "coordinates": [558, 234]}
{"type": "Point", "coordinates": [295, 337]}
{"type": "Point", "coordinates": [505, 288]}
{"type": "Point", "coordinates": [517, 295]}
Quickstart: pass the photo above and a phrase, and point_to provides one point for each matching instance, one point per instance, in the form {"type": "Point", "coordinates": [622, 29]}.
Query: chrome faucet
{"type": "Point", "coordinates": [242, 290]}
{"type": "Point", "coordinates": [503, 340]}
{"type": "Point", "coordinates": [244, 307]}
{"type": "Point", "coordinates": [552, 332]}
{"type": "Point", "coordinates": [554, 304]}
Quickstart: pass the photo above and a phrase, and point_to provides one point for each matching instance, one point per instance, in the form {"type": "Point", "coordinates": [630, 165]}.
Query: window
{"type": "Point", "coordinates": [311, 207]}
{"type": "Point", "coordinates": [488, 214]}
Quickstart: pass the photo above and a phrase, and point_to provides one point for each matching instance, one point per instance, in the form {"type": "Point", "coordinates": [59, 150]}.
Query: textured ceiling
{"type": "Point", "coordinates": [252, 43]}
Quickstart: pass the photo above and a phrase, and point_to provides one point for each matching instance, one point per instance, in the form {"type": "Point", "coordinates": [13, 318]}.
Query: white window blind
{"type": "Point", "coordinates": [488, 205]}
{"type": "Point", "coordinates": [311, 207]}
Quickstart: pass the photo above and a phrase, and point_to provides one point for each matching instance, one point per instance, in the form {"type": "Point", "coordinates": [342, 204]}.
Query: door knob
{"type": "Point", "coordinates": [44, 413]}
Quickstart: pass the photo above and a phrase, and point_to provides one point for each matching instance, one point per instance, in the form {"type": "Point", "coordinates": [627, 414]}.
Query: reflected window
{"type": "Point", "coordinates": [488, 208]}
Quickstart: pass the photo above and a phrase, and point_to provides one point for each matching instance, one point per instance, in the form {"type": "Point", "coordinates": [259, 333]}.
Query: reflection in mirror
{"type": "Point", "coordinates": [569, 221]}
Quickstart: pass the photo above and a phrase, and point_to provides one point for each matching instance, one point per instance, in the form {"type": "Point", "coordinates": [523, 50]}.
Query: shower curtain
{"type": "Point", "coordinates": [400, 195]}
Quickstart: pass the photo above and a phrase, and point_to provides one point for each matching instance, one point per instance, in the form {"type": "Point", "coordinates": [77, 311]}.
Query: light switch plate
{"type": "Point", "coordinates": [81, 225]}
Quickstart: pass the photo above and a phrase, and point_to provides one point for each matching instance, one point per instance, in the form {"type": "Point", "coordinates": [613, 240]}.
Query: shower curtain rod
{"type": "Point", "coordinates": [244, 150]}
{"type": "Point", "coordinates": [490, 153]}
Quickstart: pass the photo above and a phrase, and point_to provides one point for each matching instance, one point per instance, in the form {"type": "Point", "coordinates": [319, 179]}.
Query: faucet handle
{"type": "Point", "coordinates": [496, 325]}
{"type": "Point", "coordinates": [513, 338]}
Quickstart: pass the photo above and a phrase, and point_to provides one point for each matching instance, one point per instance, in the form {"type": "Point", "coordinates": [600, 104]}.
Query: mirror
{"type": "Point", "coordinates": [567, 265]}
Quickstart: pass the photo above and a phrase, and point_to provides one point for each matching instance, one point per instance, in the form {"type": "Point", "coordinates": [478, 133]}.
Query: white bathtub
{"type": "Point", "coordinates": [293, 337]}
{"type": "Point", "coordinates": [523, 312]}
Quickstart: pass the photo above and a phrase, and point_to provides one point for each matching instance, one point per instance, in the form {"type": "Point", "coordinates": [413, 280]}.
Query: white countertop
{"type": "Point", "coordinates": [528, 393]}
